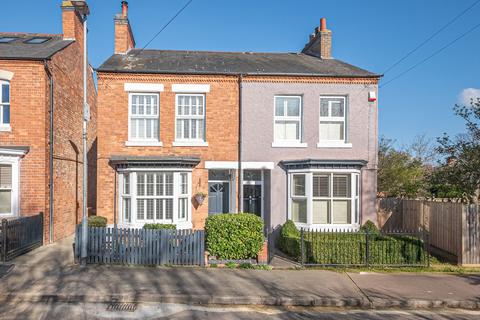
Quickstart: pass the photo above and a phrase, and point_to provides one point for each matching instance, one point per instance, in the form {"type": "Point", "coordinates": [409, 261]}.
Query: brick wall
{"type": "Point", "coordinates": [221, 131]}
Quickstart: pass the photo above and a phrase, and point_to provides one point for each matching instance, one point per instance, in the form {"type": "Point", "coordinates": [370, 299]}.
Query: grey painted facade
{"type": "Point", "coordinates": [258, 135]}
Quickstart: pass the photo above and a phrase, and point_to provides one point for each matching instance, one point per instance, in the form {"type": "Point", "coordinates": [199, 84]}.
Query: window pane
{"type": "Point", "coordinates": [321, 185]}
{"type": "Point", "coordinates": [182, 209]}
{"type": "Point", "coordinates": [293, 107]}
{"type": "Point", "coordinates": [331, 130]}
{"type": "Point", "coordinates": [5, 93]}
{"type": "Point", "coordinates": [141, 128]}
{"type": "Point", "coordinates": [194, 130]}
{"type": "Point", "coordinates": [341, 186]}
{"type": "Point", "coordinates": [126, 183]}
{"type": "Point", "coordinates": [341, 212]}
{"type": "Point", "coordinates": [150, 209]}
{"type": "Point", "coordinates": [292, 130]}
{"type": "Point", "coordinates": [150, 184]}
{"type": "Point", "coordinates": [201, 134]}
{"type": "Point", "coordinates": [183, 183]}
{"type": "Point", "coordinates": [126, 209]}
{"type": "Point", "coordinates": [179, 129]}
{"type": "Point", "coordinates": [337, 109]}
{"type": "Point", "coordinates": [298, 185]}
{"type": "Point", "coordinates": [321, 211]}
{"type": "Point", "coordinates": [252, 175]}
{"type": "Point", "coordinates": [133, 129]}
{"type": "Point", "coordinates": [141, 184]}
{"type": "Point", "coordinates": [5, 176]}
{"type": "Point", "coordinates": [168, 209]}
{"type": "Point", "coordinates": [357, 210]}
{"type": "Point", "coordinates": [5, 201]}
{"type": "Point", "coordinates": [159, 209]}
{"type": "Point", "coordinates": [140, 209]}
{"type": "Point", "coordinates": [357, 184]}
{"type": "Point", "coordinates": [323, 107]}
{"type": "Point", "coordinates": [186, 129]}
{"type": "Point", "coordinates": [169, 184]}
{"type": "Point", "coordinates": [6, 114]}
{"type": "Point", "coordinates": [299, 210]}
{"type": "Point", "coordinates": [279, 130]}
{"type": "Point", "coordinates": [280, 107]}
{"type": "Point", "coordinates": [160, 185]}
{"type": "Point", "coordinates": [148, 133]}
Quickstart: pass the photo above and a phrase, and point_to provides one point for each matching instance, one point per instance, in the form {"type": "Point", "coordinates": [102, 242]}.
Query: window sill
{"type": "Point", "coordinates": [139, 225]}
{"type": "Point", "coordinates": [326, 144]}
{"type": "Point", "coordinates": [289, 145]}
{"type": "Point", "coordinates": [5, 129]}
{"type": "Point", "coordinates": [190, 144]}
{"type": "Point", "coordinates": [143, 144]}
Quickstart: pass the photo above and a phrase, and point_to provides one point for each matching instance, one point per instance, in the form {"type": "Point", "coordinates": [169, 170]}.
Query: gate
{"type": "Point", "coordinates": [143, 246]}
{"type": "Point", "coordinates": [20, 235]}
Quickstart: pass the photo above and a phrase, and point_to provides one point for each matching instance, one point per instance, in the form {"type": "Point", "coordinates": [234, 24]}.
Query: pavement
{"type": "Point", "coordinates": [48, 275]}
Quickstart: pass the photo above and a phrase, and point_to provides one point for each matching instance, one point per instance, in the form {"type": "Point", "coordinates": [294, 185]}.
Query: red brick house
{"type": "Point", "coordinates": [41, 104]}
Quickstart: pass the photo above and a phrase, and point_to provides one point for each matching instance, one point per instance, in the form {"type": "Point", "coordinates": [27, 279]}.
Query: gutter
{"type": "Point", "coordinates": [50, 161]}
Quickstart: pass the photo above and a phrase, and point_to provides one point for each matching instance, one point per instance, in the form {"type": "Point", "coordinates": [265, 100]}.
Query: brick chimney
{"type": "Point", "coordinates": [124, 40]}
{"type": "Point", "coordinates": [72, 19]}
{"type": "Point", "coordinates": [320, 44]}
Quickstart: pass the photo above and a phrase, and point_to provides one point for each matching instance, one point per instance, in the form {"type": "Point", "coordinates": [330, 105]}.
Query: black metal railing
{"type": "Point", "coordinates": [364, 249]}
{"type": "Point", "coordinates": [20, 235]}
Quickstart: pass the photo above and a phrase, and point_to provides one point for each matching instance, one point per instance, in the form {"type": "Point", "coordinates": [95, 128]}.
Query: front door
{"type": "Point", "coordinates": [252, 199]}
{"type": "Point", "coordinates": [218, 200]}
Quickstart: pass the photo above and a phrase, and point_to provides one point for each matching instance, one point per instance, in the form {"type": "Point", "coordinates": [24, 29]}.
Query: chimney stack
{"type": "Point", "coordinates": [320, 42]}
{"type": "Point", "coordinates": [124, 40]}
{"type": "Point", "coordinates": [72, 19]}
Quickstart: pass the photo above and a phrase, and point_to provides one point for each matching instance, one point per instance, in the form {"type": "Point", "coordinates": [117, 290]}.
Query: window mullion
{"type": "Point", "coordinates": [309, 196]}
{"type": "Point", "coordinates": [133, 195]}
{"type": "Point", "coordinates": [176, 177]}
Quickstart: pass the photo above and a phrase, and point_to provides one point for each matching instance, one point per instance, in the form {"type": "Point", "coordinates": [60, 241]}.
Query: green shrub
{"type": "Point", "coordinates": [97, 222]}
{"type": "Point", "coordinates": [289, 241]}
{"type": "Point", "coordinates": [246, 265]}
{"type": "Point", "coordinates": [234, 235]}
{"type": "Point", "coordinates": [231, 265]}
{"type": "Point", "coordinates": [370, 227]}
{"type": "Point", "coordinates": [158, 226]}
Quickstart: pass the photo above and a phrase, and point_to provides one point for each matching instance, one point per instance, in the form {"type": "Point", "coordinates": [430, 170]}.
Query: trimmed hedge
{"type": "Point", "coordinates": [289, 241]}
{"type": "Point", "coordinates": [97, 222]}
{"type": "Point", "coordinates": [234, 236]}
{"type": "Point", "coordinates": [158, 226]}
{"type": "Point", "coordinates": [349, 248]}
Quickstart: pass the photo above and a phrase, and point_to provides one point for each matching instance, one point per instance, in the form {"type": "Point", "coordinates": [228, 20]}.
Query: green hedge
{"type": "Point", "coordinates": [234, 235]}
{"type": "Point", "coordinates": [349, 248]}
{"type": "Point", "coordinates": [158, 226]}
{"type": "Point", "coordinates": [97, 222]}
{"type": "Point", "coordinates": [289, 241]}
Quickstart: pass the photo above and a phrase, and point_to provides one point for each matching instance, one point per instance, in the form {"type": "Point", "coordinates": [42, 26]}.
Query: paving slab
{"type": "Point", "coordinates": [419, 290]}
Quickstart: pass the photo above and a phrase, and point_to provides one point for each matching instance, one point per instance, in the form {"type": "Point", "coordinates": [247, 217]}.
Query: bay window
{"type": "Point", "coordinates": [155, 197]}
{"type": "Point", "coordinates": [320, 198]}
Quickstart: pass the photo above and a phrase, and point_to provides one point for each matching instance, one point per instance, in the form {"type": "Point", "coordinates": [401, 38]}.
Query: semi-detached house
{"type": "Point", "coordinates": [280, 135]}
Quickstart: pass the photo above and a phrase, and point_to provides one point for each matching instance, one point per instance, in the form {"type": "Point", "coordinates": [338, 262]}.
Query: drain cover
{"type": "Point", "coordinates": [126, 307]}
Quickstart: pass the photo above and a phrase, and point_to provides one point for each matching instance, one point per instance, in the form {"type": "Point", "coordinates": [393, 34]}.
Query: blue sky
{"type": "Point", "coordinates": [371, 34]}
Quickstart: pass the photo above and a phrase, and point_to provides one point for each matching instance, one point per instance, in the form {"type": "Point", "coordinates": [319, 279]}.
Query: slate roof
{"type": "Point", "coordinates": [229, 63]}
{"type": "Point", "coordinates": [18, 49]}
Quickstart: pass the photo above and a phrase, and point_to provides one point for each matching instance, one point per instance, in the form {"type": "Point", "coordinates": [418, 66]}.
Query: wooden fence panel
{"type": "Point", "coordinates": [20, 235]}
{"type": "Point", "coordinates": [143, 247]}
{"type": "Point", "coordinates": [453, 227]}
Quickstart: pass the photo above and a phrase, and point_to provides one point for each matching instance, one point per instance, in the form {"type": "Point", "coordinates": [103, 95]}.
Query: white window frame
{"type": "Point", "coordinates": [326, 143]}
{"type": "Point", "coordinates": [177, 195]}
{"type": "Point", "coordinates": [133, 141]}
{"type": "Point", "coordinates": [354, 208]}
{"type": "Point", "coordinates": [184, 142]}
{"type": "Point", "coordinates": [15, 198]}
{"type": "Point", "coordinates": [288, 143]}
{"type": "Point", "coordinates": [5, 126]}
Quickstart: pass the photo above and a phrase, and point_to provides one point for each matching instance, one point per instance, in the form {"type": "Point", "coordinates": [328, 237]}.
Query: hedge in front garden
{"type": "Point", "coordinates": [97, 222]}
{"type": "Point", "coordinates": [158, 226]}
{"type": "Point", "coordinates": [234, 236]}
{"type": "Point", "coordinates": [289, 241]}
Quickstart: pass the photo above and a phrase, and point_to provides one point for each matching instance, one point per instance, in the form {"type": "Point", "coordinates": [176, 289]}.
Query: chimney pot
{"type": "Point", "coordinates": [125, 9]}
{"type": "Point", "coordinates": [323, 24]}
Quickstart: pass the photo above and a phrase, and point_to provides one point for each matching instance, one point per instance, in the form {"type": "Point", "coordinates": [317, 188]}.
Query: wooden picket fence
{"type": "Point", "coordinates": [20, 235]}
{"type": "Point", "coordinates": [454, 227]}
{"type": "Point", "coordinates": [142, 247]}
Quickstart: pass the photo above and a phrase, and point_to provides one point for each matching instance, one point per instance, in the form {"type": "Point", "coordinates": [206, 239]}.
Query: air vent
{"type": "Point", "coordinates": [122, 307]}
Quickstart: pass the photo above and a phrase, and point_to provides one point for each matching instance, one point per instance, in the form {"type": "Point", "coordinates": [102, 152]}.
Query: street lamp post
{"type": "Point", "coordinates": [83, 9]}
